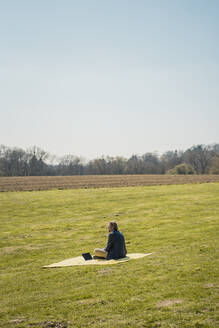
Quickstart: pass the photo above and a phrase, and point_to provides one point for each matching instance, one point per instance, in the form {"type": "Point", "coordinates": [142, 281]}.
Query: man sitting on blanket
{"type": "Point", "coordinates": [115, 248]}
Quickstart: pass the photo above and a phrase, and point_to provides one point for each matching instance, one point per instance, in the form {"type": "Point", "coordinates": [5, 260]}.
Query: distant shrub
{"type": "Point", "coordinates": [183, 168]}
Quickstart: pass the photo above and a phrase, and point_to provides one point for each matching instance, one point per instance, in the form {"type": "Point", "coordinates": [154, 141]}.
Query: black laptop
{"type": "Point", "coordinates": [87, 256]}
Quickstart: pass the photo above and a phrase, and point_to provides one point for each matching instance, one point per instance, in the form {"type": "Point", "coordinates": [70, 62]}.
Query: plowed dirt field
{"type": "Point", "coordinates": [97, 181]}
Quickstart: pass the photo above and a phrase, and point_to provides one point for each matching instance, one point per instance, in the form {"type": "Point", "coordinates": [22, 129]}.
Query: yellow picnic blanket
{"type": "Point", "coordinates": [80, 261]}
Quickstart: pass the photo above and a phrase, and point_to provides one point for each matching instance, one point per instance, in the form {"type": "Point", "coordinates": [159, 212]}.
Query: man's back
{"type": "Point", "coordinates": [116, 245]}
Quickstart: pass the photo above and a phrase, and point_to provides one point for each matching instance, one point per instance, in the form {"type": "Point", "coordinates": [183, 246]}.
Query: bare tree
{"type": "Point", "coordinates": [152, 164]}
{"type": "Point", "coordinates": [214, 165]}
{"type": "Point", "coordinates": [12, 161]}
{"type": "Point", "coordinates": [171, 158]}
{"type": "Point", "coordinates": [70, 165]}
{"type": "Point", "coordinates": [199, 157]}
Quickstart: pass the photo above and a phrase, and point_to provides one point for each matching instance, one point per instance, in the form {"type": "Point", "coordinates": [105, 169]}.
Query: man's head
{"type": "Point", "coordinates": [112, 226]}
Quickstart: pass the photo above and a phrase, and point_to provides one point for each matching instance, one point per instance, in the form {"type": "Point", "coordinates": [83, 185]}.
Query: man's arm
{"type": "Point", "coordinates": [125, 245]}
{"type": "Point", "coordinates": [109, 243]}
{"type": "Point", "coordinates": [125, 249]}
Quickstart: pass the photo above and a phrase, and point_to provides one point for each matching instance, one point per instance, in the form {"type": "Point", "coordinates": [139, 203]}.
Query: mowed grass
{"type": "Point", "coordinates": [177, 286]}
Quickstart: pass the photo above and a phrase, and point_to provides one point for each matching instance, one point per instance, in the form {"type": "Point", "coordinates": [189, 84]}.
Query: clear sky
{"type": "Point", "coordinates": [109, 77]}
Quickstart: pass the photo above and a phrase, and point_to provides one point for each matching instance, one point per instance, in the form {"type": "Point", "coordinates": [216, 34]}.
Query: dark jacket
{"type": "Point", "coordinates": [116, 245]}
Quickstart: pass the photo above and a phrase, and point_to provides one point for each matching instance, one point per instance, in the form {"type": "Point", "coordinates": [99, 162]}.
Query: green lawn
{"type": "Point", "coordinates": [177, 286]}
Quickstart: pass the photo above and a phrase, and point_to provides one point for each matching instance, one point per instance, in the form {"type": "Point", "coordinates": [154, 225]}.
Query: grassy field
{"type": "Point", "coordinates": [99, 181]}
{"type": "Point", "coordinates": [177, 286]}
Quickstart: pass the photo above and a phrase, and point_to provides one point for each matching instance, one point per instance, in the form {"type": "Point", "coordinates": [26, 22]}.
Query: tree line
{"type": "Point", "coordinates": [199, 159]}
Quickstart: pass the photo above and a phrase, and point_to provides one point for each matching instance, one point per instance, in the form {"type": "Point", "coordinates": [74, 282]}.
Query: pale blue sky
{"type": "Point", "coordinates": [115, 77]}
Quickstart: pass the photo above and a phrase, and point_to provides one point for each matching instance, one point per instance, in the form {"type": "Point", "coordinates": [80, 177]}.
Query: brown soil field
{"type": "Point", "coordinates": [97, 181]}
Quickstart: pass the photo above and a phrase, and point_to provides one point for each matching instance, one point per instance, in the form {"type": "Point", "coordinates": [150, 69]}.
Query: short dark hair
{"type": "Point", "coordinates": [114, 225]}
